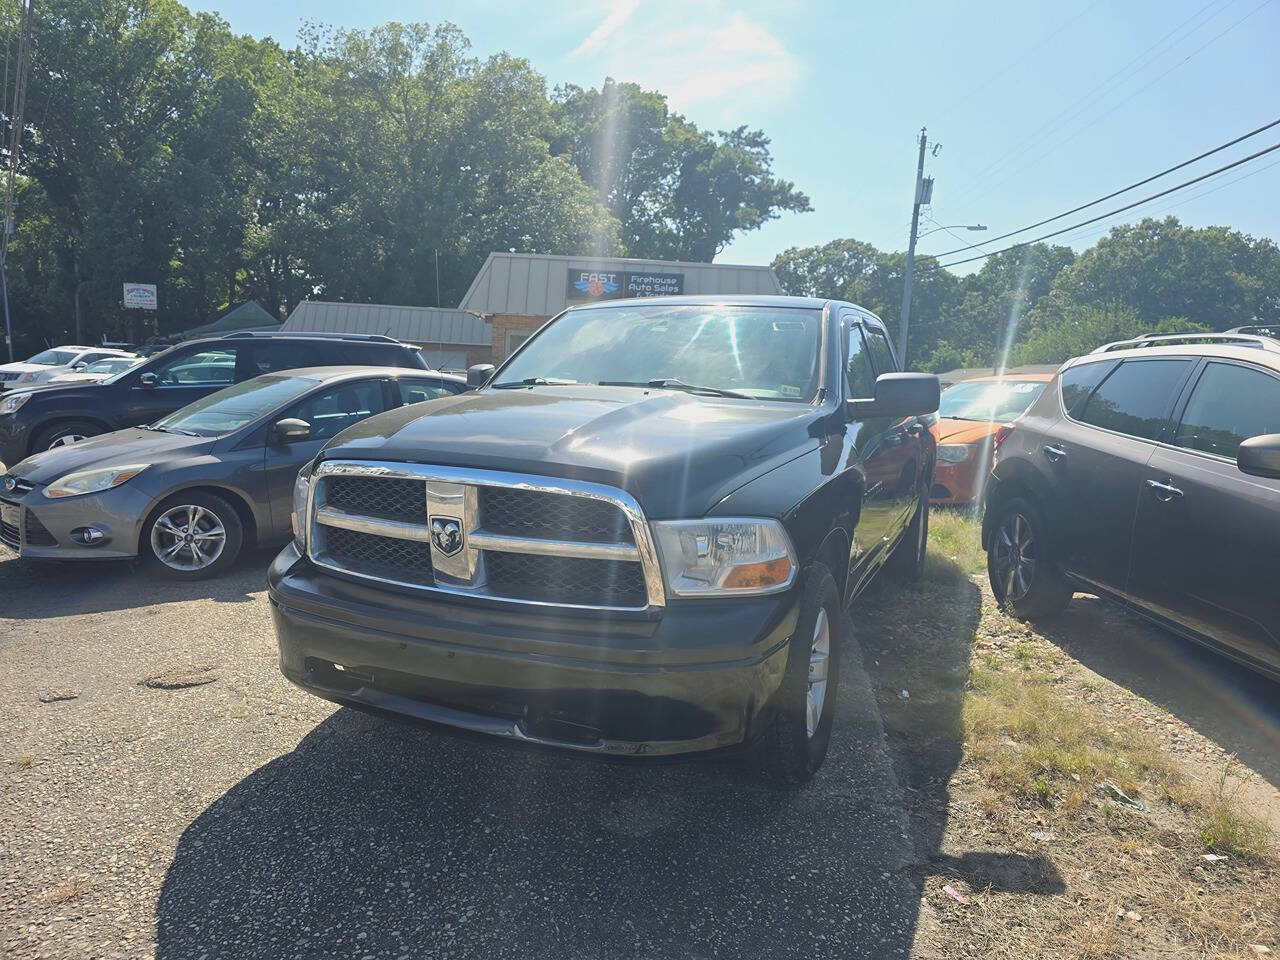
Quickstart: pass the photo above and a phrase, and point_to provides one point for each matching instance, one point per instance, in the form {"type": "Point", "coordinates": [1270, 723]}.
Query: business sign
{"type": "Point", "coordinates": [139, 296]}
{"type": "Point", "coordinates": [613, 284]}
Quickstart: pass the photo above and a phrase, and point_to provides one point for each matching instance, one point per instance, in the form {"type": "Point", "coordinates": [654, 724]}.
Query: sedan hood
{"type": "Point", "coordinates": [110, 450]}
{"type": "Point", "coordinates": [20, 367]}
{"type": "Point", "coordinates": [965, 431]}
{"type": "Point", "coordinates": [677, 453]}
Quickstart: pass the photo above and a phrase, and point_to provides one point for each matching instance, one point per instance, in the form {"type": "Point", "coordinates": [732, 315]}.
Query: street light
{"type": "Point", "coordinates": [954, 226]}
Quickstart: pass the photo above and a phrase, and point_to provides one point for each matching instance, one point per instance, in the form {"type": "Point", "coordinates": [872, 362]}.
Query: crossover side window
{"type": "Point", "coordinates": [1135, 398]}
{"type": "Point", "coordinates": [881, 352]}
{"type": "Point", "coordinates": [216, 366]}
{"type": "Point", "coordinates": [1078, 382]}
{"type": "Point", "coordinates": [857, 372]}
{"type": "Point", "coordinates": [1229, 404]}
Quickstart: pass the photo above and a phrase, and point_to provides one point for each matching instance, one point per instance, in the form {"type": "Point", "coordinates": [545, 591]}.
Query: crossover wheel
{"type": "Point", "coordinates": [192, 536]}
{"type": "Point", "coordinates": [796, 742]}
{"type": "Point", "coordinates": [62, 434]}
{"type": "Point", "coordinates": [1020, 564]}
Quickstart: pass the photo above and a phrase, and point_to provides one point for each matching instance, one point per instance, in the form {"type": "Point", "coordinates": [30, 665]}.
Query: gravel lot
{"type": "Point", "coordinates": [187, 802]}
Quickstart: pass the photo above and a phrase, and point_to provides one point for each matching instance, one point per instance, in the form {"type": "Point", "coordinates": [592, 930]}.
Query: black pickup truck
{"type": "Point", "coordinates": [636, 537]}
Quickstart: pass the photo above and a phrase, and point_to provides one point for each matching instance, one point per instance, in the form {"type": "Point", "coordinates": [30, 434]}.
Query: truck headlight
{"type": "Point", "coordinates": [301, 497]}
{"type": "Point", "coordinates": [11, 404]}
{"type": "Point", "coordinates": [954, 452]}
{"type": "Point", "coordinates": [92, 481]}
{"type": "Point", "coordinates": [725, 557]}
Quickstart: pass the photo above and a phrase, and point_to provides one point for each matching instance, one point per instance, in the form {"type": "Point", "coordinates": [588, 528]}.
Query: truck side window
{"type": "Point", "coordinates": [881, 352]}
{"type": "Point", "coordinates": [858, 373]}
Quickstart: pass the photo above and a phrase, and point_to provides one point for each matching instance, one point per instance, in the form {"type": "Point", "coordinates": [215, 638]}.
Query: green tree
{"type": "Point", "coordinates": [1062, 332]}
{"type": "Point", "coordinates": [678, 192]}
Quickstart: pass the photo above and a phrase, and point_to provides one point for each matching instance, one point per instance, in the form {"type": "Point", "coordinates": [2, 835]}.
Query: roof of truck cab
{"type": "Point", "coordinates": [731, 299]}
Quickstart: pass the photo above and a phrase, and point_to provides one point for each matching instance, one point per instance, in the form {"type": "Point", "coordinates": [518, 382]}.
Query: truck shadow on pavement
{"type": "Point", "coordinates": [48, 589]}
{"type": "Point", "coordinates": [1225, 702]}
{"type": "Point", "coordinates": [375, 838]}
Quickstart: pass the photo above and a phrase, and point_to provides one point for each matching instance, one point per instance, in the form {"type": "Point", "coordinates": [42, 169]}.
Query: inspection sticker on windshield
{"type": "Point", "coordinates": [787, 390]}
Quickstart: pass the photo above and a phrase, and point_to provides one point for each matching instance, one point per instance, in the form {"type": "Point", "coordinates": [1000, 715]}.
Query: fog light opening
{"type": "Point", "coordinates": [89, 536]}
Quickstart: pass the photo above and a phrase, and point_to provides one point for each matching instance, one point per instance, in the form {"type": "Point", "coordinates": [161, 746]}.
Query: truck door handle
{"type": "Point", "coordinates": [1164, 492]}
{"type": "Point", "coordinates": [1055, 454]}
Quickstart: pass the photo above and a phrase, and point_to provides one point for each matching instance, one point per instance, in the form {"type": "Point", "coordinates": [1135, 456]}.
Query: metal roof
{"type": "Point", "coordinates": [533, 284]}
{"type": "Point", "coordinates": [408, 324]}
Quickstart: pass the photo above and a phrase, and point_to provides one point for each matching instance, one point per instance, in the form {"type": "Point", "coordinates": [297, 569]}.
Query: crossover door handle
{"type": "Point", "coordinates": [1055, 454]}
{"type": "Point", "coordinates": [1164, 492]}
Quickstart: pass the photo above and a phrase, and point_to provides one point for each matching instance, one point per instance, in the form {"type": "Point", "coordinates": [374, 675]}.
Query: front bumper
{"type": "Point", "coordinates": [40, 528]}
{"type": "Point", "coordinates": [699, 675]}
{"type": "Point", "coordinates": [955, 483]}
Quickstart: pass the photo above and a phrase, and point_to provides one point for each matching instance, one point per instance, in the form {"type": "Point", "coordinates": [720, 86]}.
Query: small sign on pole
{"type": "Point", "coordinates": [139, 296]}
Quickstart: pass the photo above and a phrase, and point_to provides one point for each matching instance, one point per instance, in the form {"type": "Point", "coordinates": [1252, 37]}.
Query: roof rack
{"type": "Point", "coordinates": [309, 335]}
{"type": "Point", "coordinates": [1173, 339]}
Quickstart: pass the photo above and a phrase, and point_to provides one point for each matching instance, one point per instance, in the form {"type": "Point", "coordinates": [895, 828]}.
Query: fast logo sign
{"type": "Point", "coordinates": [594, 285]}
{"type": "Point", "coordinates": [610, 285]}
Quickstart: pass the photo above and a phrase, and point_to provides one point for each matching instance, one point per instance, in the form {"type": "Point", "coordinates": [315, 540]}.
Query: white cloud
{"type": "Point", "coordinates": [710, 57]}
{"type": "Point", "coordinates": [620, 12]}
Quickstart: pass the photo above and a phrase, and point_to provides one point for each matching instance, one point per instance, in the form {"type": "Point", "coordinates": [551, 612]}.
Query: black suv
{"type": "Point", "coordinates": [637, 538]}
{"type": "Point", "coordinates": [36, 419]}
{"type": "Point", "coordinates": [1149, 472]}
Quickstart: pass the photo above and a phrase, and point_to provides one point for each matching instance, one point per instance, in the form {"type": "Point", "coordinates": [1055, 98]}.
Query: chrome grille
{"type": "Point", "coordinates": [487, 533]}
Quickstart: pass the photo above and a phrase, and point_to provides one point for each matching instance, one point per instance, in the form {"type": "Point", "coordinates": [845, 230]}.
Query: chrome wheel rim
{"type": "Point", "coordinates": [819, 661]}
{"type": "Point", "coordinates": [67, 439]}
{"type": "Point", "coordinates": [188, 537]}
{"type": "Point", "coordinates": [1015, 557]}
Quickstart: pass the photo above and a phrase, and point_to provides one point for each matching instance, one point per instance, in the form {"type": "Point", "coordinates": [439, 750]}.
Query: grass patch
{"type": "Point", "coordinates": [1227, 827]}
{"type": "Point", "coordinates": [955, 541]}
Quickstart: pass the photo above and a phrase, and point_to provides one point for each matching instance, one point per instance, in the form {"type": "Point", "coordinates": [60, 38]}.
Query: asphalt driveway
{"type": "Point", "coordinates": [176, 797]}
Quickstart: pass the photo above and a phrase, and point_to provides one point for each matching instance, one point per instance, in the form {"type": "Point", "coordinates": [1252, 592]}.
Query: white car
{"type": "Point", "coordinates": [98, 370]}
{"type": "Point", "coordinates": [47, 364]}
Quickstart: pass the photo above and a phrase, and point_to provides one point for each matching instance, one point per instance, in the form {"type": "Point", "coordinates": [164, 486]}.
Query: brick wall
{"type": "Point", "coordinates": [503, 323]}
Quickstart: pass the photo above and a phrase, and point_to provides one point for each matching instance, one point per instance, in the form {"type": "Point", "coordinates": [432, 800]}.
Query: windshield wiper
{"type": "Point", "coordinates": [160, 429]}
{"type": "Point", "coordinates": [533, 382]}
{"type": "Point", "coordinates": [675, 383]}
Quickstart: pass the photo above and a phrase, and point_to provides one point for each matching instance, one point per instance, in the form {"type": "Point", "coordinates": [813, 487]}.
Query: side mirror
{"type": "Point", "coordinates": [290, 430]}
{"type": "Point", "coordinates": [1260, 456]}
{"type": "Point", "coordinates": [898, 395]}
{"type": "Point", "coordinates": [147, 380]}
{"type": "Point", "coordinates": [79, 366]}
{"type": "Point", "coordinates": [478, 375]}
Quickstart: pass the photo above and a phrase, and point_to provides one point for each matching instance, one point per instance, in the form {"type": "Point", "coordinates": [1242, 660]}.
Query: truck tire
{"type": "Point", "coordinates": [906, 563]}
{"type": "Point", "coordinates": [1025, 577]}
{"type": "Point", "coordinates": [795, 742]}
{"type": "Point", "coordinates": [69, 431]}
{"type": "Point", "coordinates": [191, 536]}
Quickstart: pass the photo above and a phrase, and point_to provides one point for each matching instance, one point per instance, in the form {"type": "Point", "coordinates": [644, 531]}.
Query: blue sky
{"type": "Point", "coordinates": [1038, 106]}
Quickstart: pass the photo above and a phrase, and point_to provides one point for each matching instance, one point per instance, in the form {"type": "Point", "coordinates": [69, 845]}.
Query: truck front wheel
{"type": "Point", "coordinates": [795, 744]}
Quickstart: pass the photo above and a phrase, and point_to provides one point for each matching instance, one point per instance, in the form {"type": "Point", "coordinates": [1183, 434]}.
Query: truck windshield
{"type": "Point", "coordinates": [767, 353]}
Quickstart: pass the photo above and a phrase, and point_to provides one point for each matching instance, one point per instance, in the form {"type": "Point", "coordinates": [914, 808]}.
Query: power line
{"type": "Point", "coordinates": [1116, 193]}
{"type": "Point", "coordinates": [1111, 213]}
{"type": "Point", "coordinates": [984, 190]}
{"type": "Point", "coordinates": [1083, 102]}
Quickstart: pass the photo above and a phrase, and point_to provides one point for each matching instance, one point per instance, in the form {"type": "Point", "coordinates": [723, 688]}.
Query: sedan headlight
{"type": "Point", "coordinates": [11, 404]}
{"type": "Point", "coordinates": [92, 481]}
{"type": "Point", "coordinates": [954, 452]}
{"type": "Point", "coordinates": [301, 496]}
{"type": "Point", "coordinates": [725, 557]}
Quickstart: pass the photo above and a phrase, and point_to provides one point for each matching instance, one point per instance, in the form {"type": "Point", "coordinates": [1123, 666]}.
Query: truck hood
{"type": "Point", "coordinates": [110, 450]}
{"type": "Point", "coordinates": [677, 453]}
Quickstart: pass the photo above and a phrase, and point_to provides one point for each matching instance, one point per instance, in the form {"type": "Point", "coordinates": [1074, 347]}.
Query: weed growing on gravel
{"type": "Point", "coordinates": [22, 761]}
{"type": "Point", "coordinates": [68, 891]}
{"type": "Point", "coordinates": [1228, 828]}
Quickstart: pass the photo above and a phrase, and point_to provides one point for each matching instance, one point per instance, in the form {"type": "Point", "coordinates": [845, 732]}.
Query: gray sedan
{"type": "Point", "coordinates": [187, 492]}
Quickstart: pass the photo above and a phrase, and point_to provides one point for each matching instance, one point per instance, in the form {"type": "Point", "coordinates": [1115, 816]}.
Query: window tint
{"type": "Point", "coordinates": [881, 353]}
{"type": "Point", "coordinates": [1135, 399]}
{"type": "Point", "coordinates": [332, 411]}
{"type": "Point", "coordinates": [1077, 382]}
{"type": "Point", "coordinates": [858, 373]}
{"type": "Point", "coordinates": [272, 356]}
{"type": "Point", "coordinates": [418, 391]}
{"type": "Point", "coordinates": [217, 366]}
{"type": "Point", "coordinates": [1229, 405]}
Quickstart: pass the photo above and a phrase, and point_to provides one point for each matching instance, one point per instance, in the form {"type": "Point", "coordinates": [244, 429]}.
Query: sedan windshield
{"type": "Point", "coordinates": [766, 353]}
{"type": "Point", "coordinates": [52, 358]}
{"type": "Point", "coordinates": [236, 406]}
{"type": "Point", "coordinates": [989, 399]}
{"type": "Point", "coordinates": [110, 366]}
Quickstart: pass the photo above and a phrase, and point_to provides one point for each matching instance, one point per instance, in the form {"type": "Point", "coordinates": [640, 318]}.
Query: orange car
{"type": "Point", "coordinates": [969, 415]}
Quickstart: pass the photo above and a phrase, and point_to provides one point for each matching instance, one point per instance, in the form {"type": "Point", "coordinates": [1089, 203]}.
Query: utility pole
{"type": "Point", "coordinates": [923, 194]}
{"type": "Point", "coordinates": [15, 147]}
